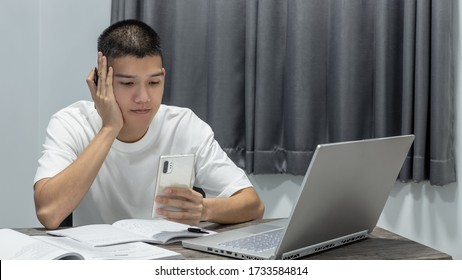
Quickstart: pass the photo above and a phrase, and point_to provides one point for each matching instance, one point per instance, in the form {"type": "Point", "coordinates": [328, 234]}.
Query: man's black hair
{"type": "Point", "coordinates": [129, 38]}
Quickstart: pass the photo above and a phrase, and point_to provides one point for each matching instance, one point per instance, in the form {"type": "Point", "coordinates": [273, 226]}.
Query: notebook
{"type": "Point", "coordinates": [343, 193]}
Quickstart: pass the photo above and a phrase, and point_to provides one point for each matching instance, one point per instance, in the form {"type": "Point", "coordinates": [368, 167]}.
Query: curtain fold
{"type": "Point", "coordinates": [274, 78]}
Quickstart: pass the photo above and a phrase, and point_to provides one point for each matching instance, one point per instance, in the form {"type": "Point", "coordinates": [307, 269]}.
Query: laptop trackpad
{"type": "Point", "coordinates": [259, 228]}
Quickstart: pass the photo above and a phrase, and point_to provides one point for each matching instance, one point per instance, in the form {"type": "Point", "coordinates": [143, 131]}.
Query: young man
{"type": "Point", "coordinates": [100, 158]}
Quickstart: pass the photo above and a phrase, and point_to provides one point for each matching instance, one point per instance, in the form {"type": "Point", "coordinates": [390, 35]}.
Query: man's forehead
{"type": "Point", "coordinates": [130, 66]}
{"type": "Point", "coordinates": [133, 60]}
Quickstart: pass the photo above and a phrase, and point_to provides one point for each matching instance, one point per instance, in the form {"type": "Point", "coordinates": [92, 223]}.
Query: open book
{"type": "Point", "coordinates": [18, 246]}
{"type": "Point", "coordinates": [157, 231]}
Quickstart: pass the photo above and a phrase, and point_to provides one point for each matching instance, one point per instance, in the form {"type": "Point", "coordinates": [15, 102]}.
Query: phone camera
{"type": "Point", "coordinates": [165, 168]}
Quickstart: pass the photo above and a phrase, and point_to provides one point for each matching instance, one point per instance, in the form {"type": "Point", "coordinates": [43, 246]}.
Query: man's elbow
{"type": "Point", "coordinates": [47, 219]}
{"type": "Point", "coordinates": [260, 209]}
{"type": "Point", "coordinates": [46, 212]}
{"type": "Point", "coordinates": [256, 207]}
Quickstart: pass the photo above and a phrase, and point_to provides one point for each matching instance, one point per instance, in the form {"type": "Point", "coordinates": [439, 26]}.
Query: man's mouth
{"type": "Point", "coordinates": [141, 111]}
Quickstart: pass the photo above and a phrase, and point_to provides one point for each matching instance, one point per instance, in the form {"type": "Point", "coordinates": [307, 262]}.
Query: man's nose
{"type": "Point", "coordinates": [142, 95]}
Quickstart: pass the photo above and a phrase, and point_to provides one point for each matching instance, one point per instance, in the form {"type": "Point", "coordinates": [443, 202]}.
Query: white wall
{"type": "Point", "coordinates": [19, 82]}
{"type": "Point", "coordinates": [46, 51]}
{"type": "Point", "coordinates": [68, 33]}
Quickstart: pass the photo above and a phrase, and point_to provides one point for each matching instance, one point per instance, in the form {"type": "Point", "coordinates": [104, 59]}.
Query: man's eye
{"type": "Point", "coordinates": [154, 83]}
{"type": "Point", "coordinates": [126, 83]}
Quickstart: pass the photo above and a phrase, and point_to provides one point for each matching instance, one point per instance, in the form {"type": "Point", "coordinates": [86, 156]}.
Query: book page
{"type": "Point", "coordinates": [126, 251]}
{"type": "Point", "coordinates": [129, 230]}
{"type": "Point", "coordinates": [151, 228]}
{"type": "Point", "coordinates": [159, 230]}
{"type": "Point", "coordinates": [98, 235]}
{"type": "Point", "coordinates": [18, 246]}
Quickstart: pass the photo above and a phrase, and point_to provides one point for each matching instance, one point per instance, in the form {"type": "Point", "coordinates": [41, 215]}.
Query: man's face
{"type": "Point", "coordinates": [138, 89]}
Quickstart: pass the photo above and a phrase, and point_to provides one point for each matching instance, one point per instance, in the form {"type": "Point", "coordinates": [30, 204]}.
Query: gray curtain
{"type": "Point", "coordinates": [274, 78]}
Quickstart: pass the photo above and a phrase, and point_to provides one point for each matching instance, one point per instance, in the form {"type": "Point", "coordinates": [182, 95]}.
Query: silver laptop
{"type": "Point", "coordinates": [343, 193]}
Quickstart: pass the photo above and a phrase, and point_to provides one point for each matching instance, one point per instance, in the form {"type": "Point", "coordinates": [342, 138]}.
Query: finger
{"type": "Point", "coordinates": [100, 56]}
{"type": "Point", "coordinates": [99, 63]}
{"type": "Point", "coordinates": [180, 217]}
{"type": "Point", "coordinates": [103, 70]}
{"type": "Point", "coordinates": [109, 80]}
{"type": "Point", "coordinates": [183, 213]}
{"type": "Point", "coordinates": [178, 202]}
{"type": "Point", "coordinates": [100, 86]}
{"type": "Point", "coordinates": [188, 194]}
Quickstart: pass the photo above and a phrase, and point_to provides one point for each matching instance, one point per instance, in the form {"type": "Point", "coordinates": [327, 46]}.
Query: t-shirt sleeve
{"type": "Point", "coordinates": [60, 148]}
{"type": "Point", "coordinates": [216, 173]}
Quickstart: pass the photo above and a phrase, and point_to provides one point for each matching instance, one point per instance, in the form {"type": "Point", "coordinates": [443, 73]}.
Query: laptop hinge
{"type": "Point", "coordinates": [312, 249]}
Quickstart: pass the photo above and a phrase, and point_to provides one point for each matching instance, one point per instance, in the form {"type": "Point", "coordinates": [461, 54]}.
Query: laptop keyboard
{"type": "Point", "coordinates": [256, 243]}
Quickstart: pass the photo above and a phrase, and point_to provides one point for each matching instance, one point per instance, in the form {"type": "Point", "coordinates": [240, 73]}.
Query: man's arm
{"type": "Point", "coordinates": [56, 197]}
{"type": "Point", "coordinates": [242, 206]}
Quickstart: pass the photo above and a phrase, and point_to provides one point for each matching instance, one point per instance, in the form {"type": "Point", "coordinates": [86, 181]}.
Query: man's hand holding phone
{"type": "Point", "coordinates": [174, 197]}
{"type": "Point", "coordinates": [182, 205]}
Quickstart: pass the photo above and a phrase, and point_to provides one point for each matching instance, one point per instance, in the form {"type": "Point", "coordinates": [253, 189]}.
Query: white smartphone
{"type": "Point", "coordinates": [173, 171]}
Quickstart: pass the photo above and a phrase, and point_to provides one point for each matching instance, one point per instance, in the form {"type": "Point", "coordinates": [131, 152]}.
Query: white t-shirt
{"type": "Point", "coordinates": [124, 187]}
